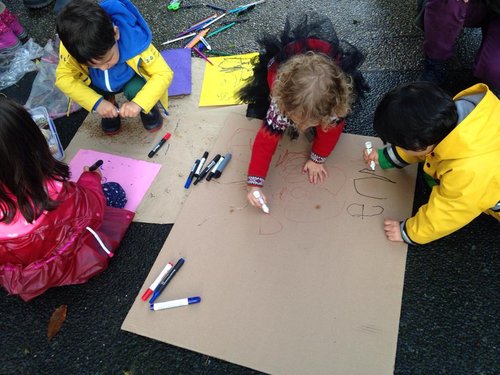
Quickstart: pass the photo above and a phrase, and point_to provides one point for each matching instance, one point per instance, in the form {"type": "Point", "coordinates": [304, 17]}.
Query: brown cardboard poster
{"type": "Point", "coordinates": [312, 288]}
{"type": "Point", "coordinates": [194, 131]}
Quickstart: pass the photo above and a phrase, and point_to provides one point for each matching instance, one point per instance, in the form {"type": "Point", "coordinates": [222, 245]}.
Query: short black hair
{"type": "Point", "coordinates": [415, 115]}
{"type": "Point", "coordinates": [85, 30]}
{"type": "Point", "coordinates": [25, 165]}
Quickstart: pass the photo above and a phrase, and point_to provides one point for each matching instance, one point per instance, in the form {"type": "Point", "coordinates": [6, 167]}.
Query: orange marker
{"type": "Point", "coordinates": [197, 38]}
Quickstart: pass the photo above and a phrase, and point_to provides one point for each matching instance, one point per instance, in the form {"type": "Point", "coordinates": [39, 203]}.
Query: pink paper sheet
{"type": "Point", "coordinates": [135, 176]}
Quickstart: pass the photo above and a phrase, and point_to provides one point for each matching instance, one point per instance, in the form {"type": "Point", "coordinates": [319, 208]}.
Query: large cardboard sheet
{"type": "Point", "coordinates": [312, 288]}
{"type": "Point", "coordinates": [193, 131]}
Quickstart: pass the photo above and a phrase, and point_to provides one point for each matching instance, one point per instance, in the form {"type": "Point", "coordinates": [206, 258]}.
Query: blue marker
{"type": "Point", "coordinates": [222, 165]}
{"type": "Point", "coordinates": [163, 284]}
{"type": "Point", "coordinates": [191, 174]}
{"type": "Point", "coordinates": [174, 303]}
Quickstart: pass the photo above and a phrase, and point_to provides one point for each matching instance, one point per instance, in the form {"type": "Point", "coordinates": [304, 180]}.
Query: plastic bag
{"type": "Point", "coordinates": [44, 93]}
{"type": "Point", "coordinates": [14, 65]}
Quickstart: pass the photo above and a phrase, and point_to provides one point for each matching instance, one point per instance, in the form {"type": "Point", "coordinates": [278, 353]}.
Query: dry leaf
{"type": "Point", "coordinates": [56, 321]}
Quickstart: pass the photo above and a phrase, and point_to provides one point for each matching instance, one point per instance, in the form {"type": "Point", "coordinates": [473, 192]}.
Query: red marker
{"type": "Point", "coordinates": [158, 280]}
{"type": "Point", "coordinates": [157, 147]}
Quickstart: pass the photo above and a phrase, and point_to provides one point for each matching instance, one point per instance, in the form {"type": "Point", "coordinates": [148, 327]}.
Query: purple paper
{"type": "Point", "coordinates": [135, 176]}
{"type": "Point", "coordinates": [179, 60]}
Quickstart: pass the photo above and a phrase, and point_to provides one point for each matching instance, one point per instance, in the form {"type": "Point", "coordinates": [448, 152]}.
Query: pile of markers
{"type": "Point", "coordinates": [161, 283]}
{"type": "Point", "coordinates": [199, 32]}
{"type": "Point", "coordinates": [213, 169]}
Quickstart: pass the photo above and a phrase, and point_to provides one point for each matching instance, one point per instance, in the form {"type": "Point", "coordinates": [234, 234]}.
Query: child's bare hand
{"type": "Point", "coordinates": [106, 109]}
{"type": "Point", "coordinates": [372, 156]}
{"type": "Point", "coordinates": [130, 109]}
{"type": "Point", "coordinates": [317, 173]}
{"type": "Point", "coordinates": [252, 199]}
{"type": "Point", "coordinates": [87, 169]}
{"type": "Point", "coordinates": [392, 230]}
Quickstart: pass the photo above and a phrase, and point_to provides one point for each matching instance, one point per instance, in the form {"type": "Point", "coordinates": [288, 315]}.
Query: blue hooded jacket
{"type": "Point", "coordinates": [135, 37]}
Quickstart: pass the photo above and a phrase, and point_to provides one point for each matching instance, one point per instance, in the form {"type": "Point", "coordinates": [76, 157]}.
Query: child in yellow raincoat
{"type": "Point", "coordinates": [458, 140]}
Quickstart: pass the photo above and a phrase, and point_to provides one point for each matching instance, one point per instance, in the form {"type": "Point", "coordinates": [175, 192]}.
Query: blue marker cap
{"type": "Point", "coordinates": [192, 300]}
{"type": "Point", "coordinates": [154, 297]}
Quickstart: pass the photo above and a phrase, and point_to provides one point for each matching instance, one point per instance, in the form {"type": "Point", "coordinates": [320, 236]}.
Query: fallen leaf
{"type": "Point", "coordinates": [56, 321]}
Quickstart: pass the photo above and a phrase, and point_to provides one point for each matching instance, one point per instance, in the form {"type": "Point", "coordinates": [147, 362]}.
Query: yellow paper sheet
{"type": "Point", "coordinates": [223, 79]}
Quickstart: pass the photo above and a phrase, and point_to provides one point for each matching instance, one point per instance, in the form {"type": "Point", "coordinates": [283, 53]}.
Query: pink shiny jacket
{"type": "Point", "coordinates": [61, 250]}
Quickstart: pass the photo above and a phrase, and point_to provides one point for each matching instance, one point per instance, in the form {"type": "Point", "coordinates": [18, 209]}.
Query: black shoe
{"type": "Point", "coordinates": [153, 120]}
{"type": "Point", "coordinates": [36, 4]}
{"type": "Point", "coordinates": [434, 71]}
{"type": "Point", "coordinates": [111, 125]}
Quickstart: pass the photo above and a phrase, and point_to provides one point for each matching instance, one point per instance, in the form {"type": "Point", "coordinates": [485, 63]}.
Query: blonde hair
{"type": "Point", "coordinates": [312, 89]}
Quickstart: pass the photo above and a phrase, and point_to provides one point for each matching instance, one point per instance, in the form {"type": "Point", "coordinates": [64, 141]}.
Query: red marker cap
{"type": "Point", "coordinates": [147, 294]}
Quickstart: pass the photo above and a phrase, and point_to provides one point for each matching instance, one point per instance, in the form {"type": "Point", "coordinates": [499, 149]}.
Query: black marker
{"type": "Point", "coordinates": [207, 169]}
{"type": "Point", "coordinates": [214, 169]}
{"type": "Point", "coordinates": [96, 165]}
{"type": "Point", "coordinates": [222, 165]}
{"type": "Point", "coordinates": [163, 284]}
{"type": "Point", "coordinates": [158, 146]}
{"type": "Point", "coordinates": [200, 164]}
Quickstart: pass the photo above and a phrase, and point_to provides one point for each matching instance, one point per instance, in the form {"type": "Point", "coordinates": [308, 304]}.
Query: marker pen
{"type": "Point", "coordinates": [212, 172]}
{"type": "Point", "coordinates": [174, 303]}
{"type": "Point", "coordinates": [207, 168]}
{"type": "Point", "coordinates": [222, 165]}
{"type": "Point", "coordinates": [191, 174]}
{"type": "Point", "coordinates": [368, 147]}
{"type": "Point", "coordinates": [96, 165]}
{"type": "Point", "coordinates": [264, 206]}
{"type": "Point", "coordinates": [160, 277]}
{"type": "Point", "coordinates": [158, 146]}
{"type": "Point", "coordinates": [200, 165]}
{"type": "Point", "coordinates": [163, 284]}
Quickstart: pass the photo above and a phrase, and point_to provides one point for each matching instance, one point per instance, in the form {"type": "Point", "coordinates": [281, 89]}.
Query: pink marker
{"type": "Point", "coordinates": [158, 280]}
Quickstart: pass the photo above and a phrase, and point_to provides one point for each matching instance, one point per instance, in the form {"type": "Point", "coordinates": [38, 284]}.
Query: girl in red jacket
{"type": "Point", "coordinates": [52, 231]}
{"type": "Point", "coordinates": [304, 81]}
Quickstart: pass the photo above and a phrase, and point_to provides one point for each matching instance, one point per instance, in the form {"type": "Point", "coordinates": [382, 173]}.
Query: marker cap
{"type": "Point", "coordinates": [192, 300]}
{"type": "Point", "coordinates": [147, 294]}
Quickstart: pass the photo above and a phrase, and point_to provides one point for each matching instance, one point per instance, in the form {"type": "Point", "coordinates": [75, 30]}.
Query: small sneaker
{"type": "Point", "coordinates": [12, 22]}
{"type": "Point", "coordinates": [36, 4]}
{"type": "Point", "coordinates": [8, 40]}
{"type": "Point", "coordinates": [153, 120]}
{"type": "Point", "coordinates": [434, 71]}
{"type": "Point", "coordinates": [111, 126]}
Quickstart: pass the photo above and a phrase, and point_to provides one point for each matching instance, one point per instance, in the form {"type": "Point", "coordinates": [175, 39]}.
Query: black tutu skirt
{"type": "Point", "coordinates": [274, 48]}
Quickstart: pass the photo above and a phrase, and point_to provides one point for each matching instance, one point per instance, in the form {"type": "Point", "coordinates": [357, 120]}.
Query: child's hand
{"type": "Point", "coordinates": [98, 171]}
{"type": "Point", "coordinates": [317, 173]}
{"type": "Point", "coordinates": [251, 198]}
{"type": "Point", "coordinates": [392, 230]}
{"type": "Point", "coordinates": [106, 109]}
{"type": "Point", "coordinates": [130, 109]}
{"type": "Point", "coordinates": [372, 156]}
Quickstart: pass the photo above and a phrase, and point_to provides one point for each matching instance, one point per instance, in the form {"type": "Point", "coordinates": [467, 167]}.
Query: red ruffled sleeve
{"type": "Point", "coordinates": [325, 141]}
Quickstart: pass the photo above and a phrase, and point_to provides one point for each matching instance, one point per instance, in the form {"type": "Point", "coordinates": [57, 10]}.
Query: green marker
{"type": "Point", "coordinates": [219, 53]}
{"type": "Point", "coordinates": [221, 29]}
{"type": "Point", "coordinates": [174, 5]}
